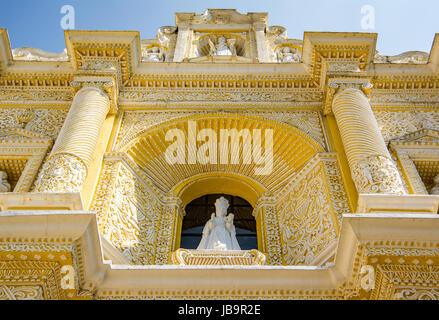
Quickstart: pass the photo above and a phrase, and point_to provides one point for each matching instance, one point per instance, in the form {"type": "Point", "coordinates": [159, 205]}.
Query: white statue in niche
{"type": "Point", "coordinates": [219, 232]}
{"type": "Point", "coordinates": [288, 54]}
{"type": "Point", "coordinates": [223, 48]}
{"type": "Point", "coordinates": [435, 189]}
{"type": "Point", "coordinates": [4, 184]}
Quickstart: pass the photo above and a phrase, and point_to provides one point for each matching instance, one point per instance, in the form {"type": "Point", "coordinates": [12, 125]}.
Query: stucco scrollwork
{"type": "Point", "coordinates": [304, 210]}
{"type": "Point", "coordinates": [414, 294]}
{"type": "Point", "coordinates": [61, 173]}
{"type": "Point", "coordinates": [394, 124]}
{"type": "Point", "coordinates": [377, 174]}
{"type": "Point", "coordinates": [21, 292]}
{"type": "Point", "coordinates": [131, 216]}
{"type": "Point", "coordinates": [46, 122]}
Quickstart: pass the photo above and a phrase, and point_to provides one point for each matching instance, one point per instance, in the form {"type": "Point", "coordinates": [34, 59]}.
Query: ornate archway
{"type": "Point", "coordinates": [292, 150]}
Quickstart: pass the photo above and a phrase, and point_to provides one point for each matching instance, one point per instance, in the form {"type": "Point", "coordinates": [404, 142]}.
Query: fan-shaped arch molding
{"type": "Point", "coordinates": [291, 150]}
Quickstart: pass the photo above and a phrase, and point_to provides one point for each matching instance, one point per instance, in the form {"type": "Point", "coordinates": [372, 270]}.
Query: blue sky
{"type": "Point", "coordinates": [402, 25]}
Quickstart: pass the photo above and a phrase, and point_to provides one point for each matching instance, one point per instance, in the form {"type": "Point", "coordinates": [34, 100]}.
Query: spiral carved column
{"type": "Point", "coordinates": [66, 168]}
{"type": "Point", "coordinates": [371, 165]}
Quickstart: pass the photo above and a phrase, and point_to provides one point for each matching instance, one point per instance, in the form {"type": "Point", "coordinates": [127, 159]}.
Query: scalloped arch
{"type": "Point", "coordinates": [292, 149]}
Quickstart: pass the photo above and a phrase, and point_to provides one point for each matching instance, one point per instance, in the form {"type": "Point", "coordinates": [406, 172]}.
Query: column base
{"type": "Point", "coordinates": [389, 203]}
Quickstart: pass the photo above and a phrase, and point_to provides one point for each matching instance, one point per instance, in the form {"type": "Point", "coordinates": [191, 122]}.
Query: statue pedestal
{"type": "Point", "coordinates": [218, 257]}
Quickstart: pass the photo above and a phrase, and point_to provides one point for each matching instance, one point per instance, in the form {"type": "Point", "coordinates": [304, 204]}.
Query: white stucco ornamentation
{"type": "Point", "coordinates": [288, 54]}
{"type": "Point", "coordinates": [435, 188]}
{"type": "Point", "coordinates": [223, 47]}
{"type": "Point", "coordinates": [377, 174]}
{"type": "Point", "coordinates": [4, 184]}
{"type": "Point", "coordinates": [62, 173]}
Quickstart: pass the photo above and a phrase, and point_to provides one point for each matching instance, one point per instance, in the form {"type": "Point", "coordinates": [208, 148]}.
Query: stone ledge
{"type": "Point", "coordinates": [387, 203]}
{"type": "Point", "coordinates": [40, 201]}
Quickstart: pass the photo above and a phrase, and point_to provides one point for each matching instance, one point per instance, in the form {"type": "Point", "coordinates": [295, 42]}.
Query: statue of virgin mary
{"type": "Point", "coordinates": [219, 232]}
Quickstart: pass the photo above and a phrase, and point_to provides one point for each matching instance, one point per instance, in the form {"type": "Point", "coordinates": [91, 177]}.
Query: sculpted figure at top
{"type": "Point", "coordinates": [4, 184]}
{"type": "Point", "coordinates": [435, 189]}
{"type": "Point", "coordinates": [219, 232]}
{"type": "Point", "coordinates": [287, 54]}
{"type": "Point", "coordinates": [154, 54]}
{"type": "Point", "coordinates": [223, 47]}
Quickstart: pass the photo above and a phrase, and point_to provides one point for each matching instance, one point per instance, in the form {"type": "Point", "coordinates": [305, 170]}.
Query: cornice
{"type": "Point", "coordinates": [117, 54]}
{"type": "Point", "coordinates": [362, 235]}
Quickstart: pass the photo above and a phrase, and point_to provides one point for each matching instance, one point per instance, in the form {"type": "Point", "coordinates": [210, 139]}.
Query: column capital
{"type": "Point", "coordinates": [336, 86]}
{"type": "Point", "coordinates": [106, 85]}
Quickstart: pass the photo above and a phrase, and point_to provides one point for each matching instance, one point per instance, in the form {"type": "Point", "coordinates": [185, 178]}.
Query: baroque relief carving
{"type": "Point", "coordinates": [132, 218]}
{"type": "Point", "coordinates": [337, 191]}
{"type": "Point", "coordinates": [46, 122]}
{"type": "Point", "coordinates": [270, 231]}
{"type": "Point", "coordinates": [417, 294]}
{"type": "Point", "coordinates": [394, 124]}
{"type": "Point", "coordinates": [61, 173]}
{"type": "Point", "coordinates": [43, 96]}
{"type": "Point", "coordinates": [21, 292]}
{"type": "Point", "coordinates": [304, 211]}
{"type": "Point", "coordinates": [377, 174]}
{"type": "Point", "coordinates": [219, 96]}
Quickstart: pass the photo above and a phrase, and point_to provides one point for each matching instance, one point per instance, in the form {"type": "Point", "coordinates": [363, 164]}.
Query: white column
{"type": "Point", "coordinates": [66, 168]}
{"type": "Point", "coordinates": [372, 167]}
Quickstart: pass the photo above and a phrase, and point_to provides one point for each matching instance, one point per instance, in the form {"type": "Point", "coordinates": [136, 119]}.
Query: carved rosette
{"type": "Point", "coordinates": [377, 174]}
{"type": "Point", "coordinates": [62, 173]}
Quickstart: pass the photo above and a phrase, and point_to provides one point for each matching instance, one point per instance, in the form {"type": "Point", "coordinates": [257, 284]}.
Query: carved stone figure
{"type": "Point", "coordinates": [4, 184]}
{"type": "Point", "coordinates": [223, 47]}
{"type": "Point", "coordinates": [219, 232]}
{"type": "Point", "coordinates": [435, 188]}
{"type": "Point", "coordinates": [153, 54]}
{"type": "Point", "coordinates": [288, 54]}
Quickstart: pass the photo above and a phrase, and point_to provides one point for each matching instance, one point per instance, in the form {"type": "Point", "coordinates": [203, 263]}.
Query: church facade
{"type": "Point", "coordinates": [113, 153]}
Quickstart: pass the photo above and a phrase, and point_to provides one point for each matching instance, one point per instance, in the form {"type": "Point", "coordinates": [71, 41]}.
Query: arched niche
{"type": "Point", "coordinates": [292, 150]}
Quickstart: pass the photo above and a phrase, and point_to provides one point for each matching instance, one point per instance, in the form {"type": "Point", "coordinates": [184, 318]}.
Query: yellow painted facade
{"type": "Point", "coordinates": [92, 208]}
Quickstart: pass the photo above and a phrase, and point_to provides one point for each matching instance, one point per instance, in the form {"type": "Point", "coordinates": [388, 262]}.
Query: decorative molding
{"type": "Point", "coordinates": [132, 217]}
{"type": "Point", "coordinates": [306, 224]}
{"type": "Point", "coordinates": [396, 124]}
{"type": "Point", "coordinates": [43, 122]}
